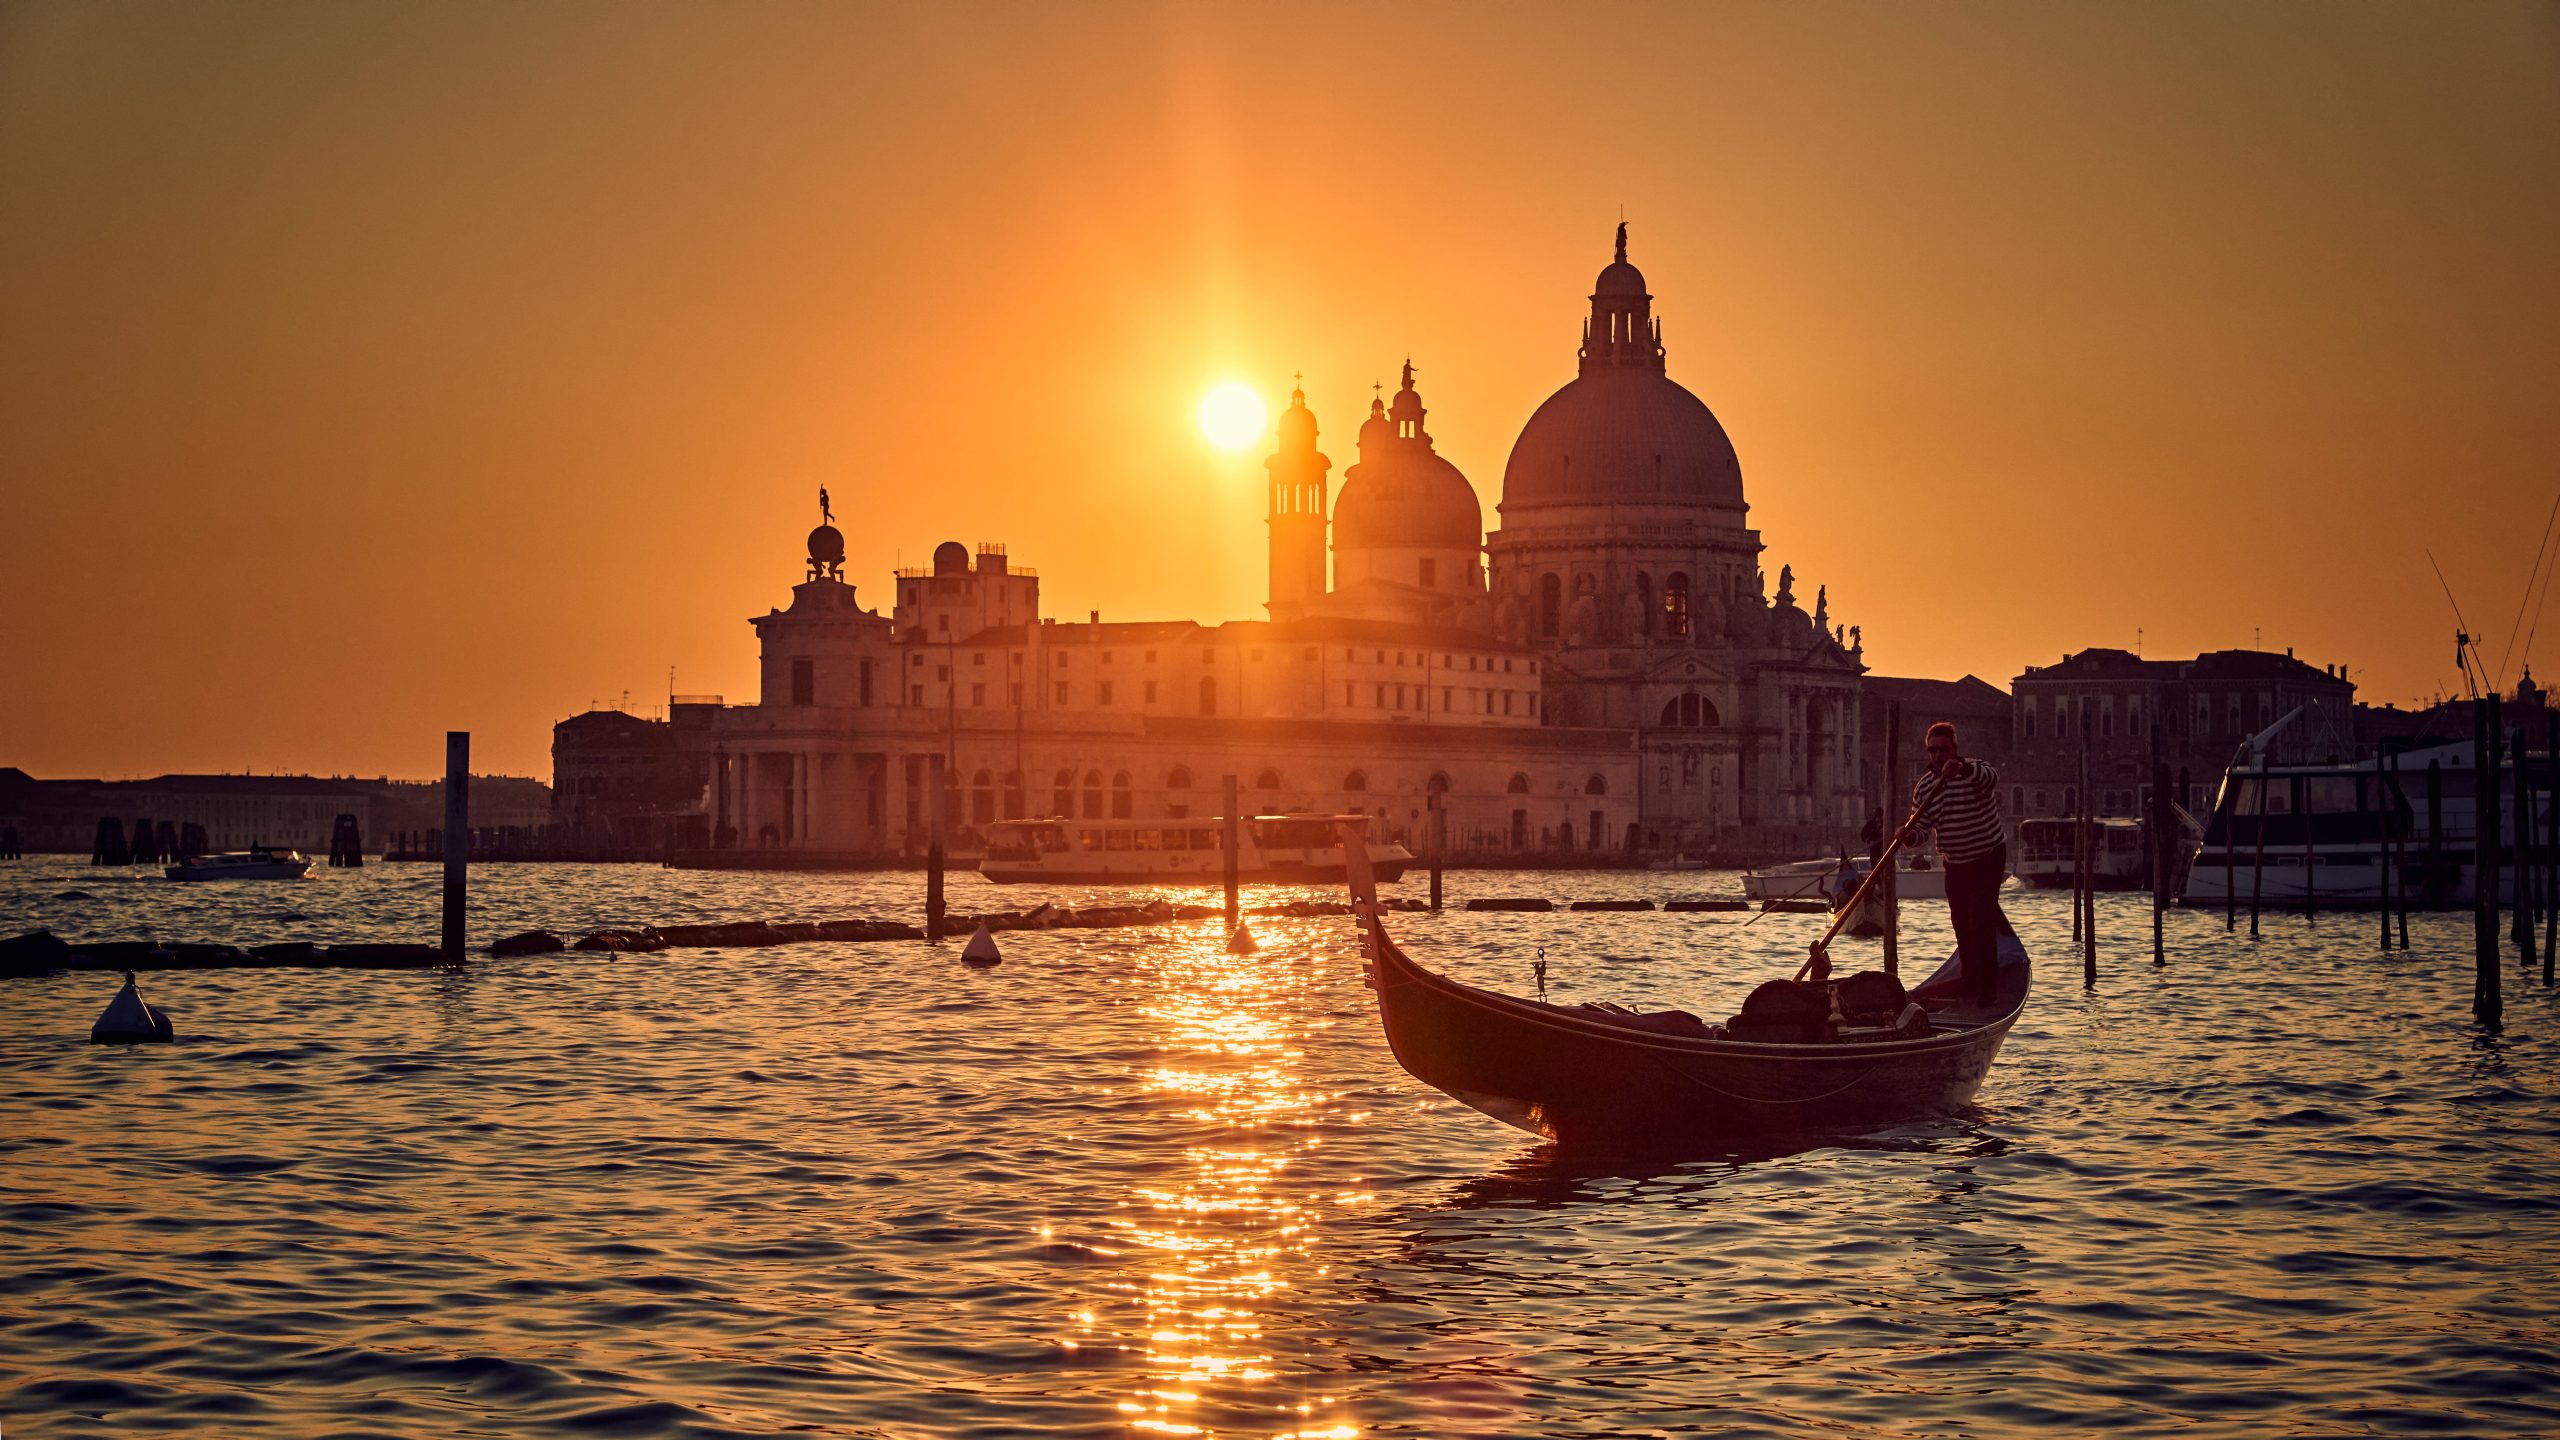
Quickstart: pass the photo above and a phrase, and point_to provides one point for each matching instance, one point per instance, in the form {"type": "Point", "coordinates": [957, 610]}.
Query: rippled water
{"type": "Point", "coordinates": [1128, 1184]}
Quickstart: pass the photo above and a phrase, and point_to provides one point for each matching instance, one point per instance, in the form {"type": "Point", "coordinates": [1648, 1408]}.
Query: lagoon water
{"type": "Point", "coordinates": [1126, 1184]}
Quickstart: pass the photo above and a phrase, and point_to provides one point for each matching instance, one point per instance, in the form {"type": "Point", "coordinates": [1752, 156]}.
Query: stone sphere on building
{"type": "Point", "coordinates": [1624, 435]}
{"type": "Point", "coordinates": [826, 545]}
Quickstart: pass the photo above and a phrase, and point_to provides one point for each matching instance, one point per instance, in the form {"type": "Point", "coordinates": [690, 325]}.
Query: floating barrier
{"type": "Point", "coordinates": [129, 1021]}
{"type": "Point", "coordinates": [531, 942]}
{"type": "Point", "coordinates": [1530, 904]}
{"type": "Point", "coordinates": [1612, 905]}
{"type": "Point", "coordinates": [981, 951]}
{"type": "Point", "coordinates": [1692, 907]}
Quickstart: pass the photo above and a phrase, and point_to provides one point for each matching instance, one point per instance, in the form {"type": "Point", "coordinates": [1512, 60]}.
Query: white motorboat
{"type": "Point", "coordinates": [1916, 877]}
{"type": "Point", "coordinates": [1289, 849]}
{"type": "Point", "coordinates": [2048, 853]}
{"type": "Point", "coordinates": [260, 863]}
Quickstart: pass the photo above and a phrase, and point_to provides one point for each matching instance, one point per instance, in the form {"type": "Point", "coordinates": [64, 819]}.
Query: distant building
{"type": "Point", "coordinates": [623, 783]}
{"type": "Point", "coordinates": [1981, 712]}
{"type": "Point", "coordinates": [2388, 727]}
{"type": "Point", "coordinates": [236, 811]}
{"type": "Point", "coordinates": [2205, 708]}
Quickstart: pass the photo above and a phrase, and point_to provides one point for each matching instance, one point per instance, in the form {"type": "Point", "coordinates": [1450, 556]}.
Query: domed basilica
{"type": "Point", "coordinates": [1606, 671]}
{"type": "Point", "coordinates": [1623, 558]}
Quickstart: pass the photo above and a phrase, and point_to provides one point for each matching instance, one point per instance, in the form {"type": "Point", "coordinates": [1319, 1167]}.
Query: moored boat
{"type": "Point", "coordinates": [1916, 876]}
{"type": "Point", "coordinates": [2048, 853]}
{"type": "Point", "coordinates": [256, 863]}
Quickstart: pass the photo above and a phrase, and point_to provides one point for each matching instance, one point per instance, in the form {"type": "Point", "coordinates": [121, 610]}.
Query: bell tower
{"type": "Point", "coordinates": [1297, 518]}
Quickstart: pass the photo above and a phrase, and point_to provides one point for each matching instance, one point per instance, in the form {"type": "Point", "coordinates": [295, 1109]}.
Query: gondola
{"type": "Point", "coordinates": [1582, 1075]}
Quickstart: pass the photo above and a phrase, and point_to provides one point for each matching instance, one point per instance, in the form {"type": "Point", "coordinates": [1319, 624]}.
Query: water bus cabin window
{"type": "Point", "coordinates": [804, 682]}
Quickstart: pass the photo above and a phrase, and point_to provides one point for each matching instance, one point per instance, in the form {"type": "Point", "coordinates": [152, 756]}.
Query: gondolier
{"type": "Point", "coordinates": [1959, 800]}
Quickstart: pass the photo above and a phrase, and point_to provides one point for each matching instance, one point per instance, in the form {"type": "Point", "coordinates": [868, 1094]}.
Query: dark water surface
{"type": "Point", "coordinates": [1128, 1184]}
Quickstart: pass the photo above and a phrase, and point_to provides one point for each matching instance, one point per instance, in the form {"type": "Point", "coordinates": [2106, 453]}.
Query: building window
{"type": "Point", "coordinates": [1062, 794]}
{"type": "Point", "coordinates": [1378, 699]}
{"type": "Point", "coordinates": [1675, 604]}
{"type": "Point", "coordinates": [942, 673]}
{"type": "Point", "coordinates": [1150, 692]}
{"type": "Point", "coordinates": [1596, 785]}
{"type": "Point", "coordinates": [866, 682]}
{"type": "Point", "coordinates": [804, 682]}
{"type": "Point", "coordinates": [978, 657]}
{"type": "Point", "coordinates": [1519, 785]}
{"type": "Point", "coordinates": [1355, 782]}
{"type": "Point", "coordinates": [915, 695]}
{"type": "Point", "coordinates": [1123, 799]}
{"type": "Point", "coordinates": [1017, 694]}
{"type": "Point", "coordinates": [1059, 659]}
{"type": "Point", "coordinates": [1061, 689]}
{"type": "Point", "coordinates": [1267, 780]}
{"type": "Point", "coordinates": [1013, 798]}
{"type": "Point", "coordinates": [1180, 779]}
{"type": "Point", "coordinates": [1688, 710]}
{"type": "Point", "coordinates": [982, 798]}
{"type": "Point", "coordinates": [1550, 605]}
{"type": "Point", "coordinates": [1102, 691]}
{"type": "Point", "coordinates": [1350, 693]}
{"type": "Point", "coordinates": [978, 694]}
{"type": "Point", "coordinates": [1093, 795]}
{"type": "Point", "coordinates": [1208, 696]}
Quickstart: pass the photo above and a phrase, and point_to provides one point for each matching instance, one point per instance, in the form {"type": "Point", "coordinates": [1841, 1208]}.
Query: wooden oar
{"type": "Point", "coordinates": [1819, 960]}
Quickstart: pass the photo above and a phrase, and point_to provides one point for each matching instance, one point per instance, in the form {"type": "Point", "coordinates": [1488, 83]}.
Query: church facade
{"type": "Point", "coordinates": [1605, 672]}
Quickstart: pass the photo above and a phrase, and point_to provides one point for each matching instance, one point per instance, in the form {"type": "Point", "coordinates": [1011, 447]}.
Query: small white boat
{"type": "Point", "coordinates": [259, 863]}
{"type": "Point", "coordinates": [2048, 854]}
{"type": "Point", "coordinates": [1916, 877]}
{"type": "Point", "coordinates": [1290, 849]}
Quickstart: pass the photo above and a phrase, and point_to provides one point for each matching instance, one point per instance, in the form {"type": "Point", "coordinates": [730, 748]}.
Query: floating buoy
{"type": "Point", "coordinates": [981, 950]}
{"type": "Point", "coordinates": [1241, 943]}
{"type": "Point", "coordinates": [128, 1021]}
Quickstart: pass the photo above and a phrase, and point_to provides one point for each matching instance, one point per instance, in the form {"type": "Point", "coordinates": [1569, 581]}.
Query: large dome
{"type": "Point", "coordinates": [1629, 434]}
{"type": "Point", "coordinates": [1409, 499]}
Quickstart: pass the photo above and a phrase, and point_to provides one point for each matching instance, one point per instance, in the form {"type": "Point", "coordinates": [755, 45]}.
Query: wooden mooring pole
{"type": "Point", "coordinates": [2382, 812]}
{"type": "Point", "coordinates": [2550, 845]}
{"type": "Point", "coordinates": [1227, 855]}
{"type": "Point", "coordinates": [2528, 868]}
{"type": "Point", "coordinates": [2399, 850]}
{"type": "Point", "coordinates": [2159, 847]}
{"type": "Point", "coordinates": [457, 840]}
{"type": "Point", "coordinates": [1885, 810]}
{"type": "Point", "coordinates": [2487, 1004]}
{"type": "Point", "coordinates": [2088, 900]}
{"type": "Point", "coordinates": [2258, 857]}
{"type": "Point", "coordinates": [1439, 845]}
{"type": "Point", "coordinates": [935, 802]}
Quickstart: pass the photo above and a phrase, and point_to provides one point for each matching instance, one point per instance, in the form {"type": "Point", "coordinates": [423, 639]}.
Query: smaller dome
{"type": "Point", "coordinates": [826, 545]}
{"type": "Point", "coordinates": [1298, 423]}
{"type": "Point", "coordinates": [1620, 278]}
{"type": "Point", "coordinates": [950, 558]}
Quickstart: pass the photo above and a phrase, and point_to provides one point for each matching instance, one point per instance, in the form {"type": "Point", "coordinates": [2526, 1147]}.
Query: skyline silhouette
{"type": "Point", "coordinates": [379, 373]}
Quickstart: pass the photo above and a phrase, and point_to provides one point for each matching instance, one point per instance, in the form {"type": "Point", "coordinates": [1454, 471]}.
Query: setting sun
{"type": "Point", "coordinates": [1232, 415]}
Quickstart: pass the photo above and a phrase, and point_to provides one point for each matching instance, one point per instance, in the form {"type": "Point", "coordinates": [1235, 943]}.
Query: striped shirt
{"type": "Point", "coordinates": [1965, 811]}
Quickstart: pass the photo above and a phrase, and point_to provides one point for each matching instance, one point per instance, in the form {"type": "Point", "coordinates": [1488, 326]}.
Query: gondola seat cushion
{"type": "Point", "coordinates": [1661, 1022]}
{"type": "Point", "coordinates": [1783, 1012]}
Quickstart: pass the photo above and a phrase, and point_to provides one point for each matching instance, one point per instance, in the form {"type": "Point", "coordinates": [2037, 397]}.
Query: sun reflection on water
{"type": "Point", "coordinates": [1213, 1248]}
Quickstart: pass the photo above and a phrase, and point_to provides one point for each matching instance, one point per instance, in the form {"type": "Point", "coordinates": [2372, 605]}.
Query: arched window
{"type": "Point", "coordinates": [1013, 797]}
{"type": "Point", "coordinates": [1093, 794]}
{"type": "Point", "coordinates": [1596, 785]}
{"type": "Point", "coordinates": [1688, 710]}
{"type": "Point", "coordinates": [982, 798]}
{"type": "Point", "coordinates": [2017, 800]}
{"type": "Point", "coordinates": [1519, 785]}
{"type": "Point", "coordinates": [1644, 603]}
{"type": "Point", "coordinates": [1355, 781]}
{"type": "Point", "coordinates": [1208, 696]}
{"type": "Point", "coordinates": [1675, 604]}
{"type": "Point", "coordinates": [1438, 784]}
{"type": "Point", "coordinates": [1550, 605]}
{"type": "Point", "coordinates": [1180, 779]}
{"type": "Point", "coordinates": [1267, 780]}
{"type": "Point", "coordinates": [1123, 799]}
{"type": "Point", "coordinates": [1062, 798]}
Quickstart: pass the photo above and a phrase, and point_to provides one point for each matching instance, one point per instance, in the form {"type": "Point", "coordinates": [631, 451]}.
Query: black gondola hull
{"type": "Point", "coordinates": [1552, 1072]}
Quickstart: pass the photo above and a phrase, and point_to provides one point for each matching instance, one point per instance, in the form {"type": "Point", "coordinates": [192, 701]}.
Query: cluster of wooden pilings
{"type": "Point", "coordinates": [149, 843]}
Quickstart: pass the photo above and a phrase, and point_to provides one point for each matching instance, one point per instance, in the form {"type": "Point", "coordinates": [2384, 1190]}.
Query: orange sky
{"type": "Point", "coordinates": [376, 370]}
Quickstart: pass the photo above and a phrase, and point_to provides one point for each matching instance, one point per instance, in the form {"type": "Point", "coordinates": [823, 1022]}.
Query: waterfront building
{"type": "Point", "coordinates": [2205, 707]}
{"type": "Point", "coordinates": [1606, 672]}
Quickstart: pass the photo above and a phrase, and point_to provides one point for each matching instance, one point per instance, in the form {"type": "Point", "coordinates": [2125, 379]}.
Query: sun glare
{"type": "Point", "coordinates": [1232, 415]}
